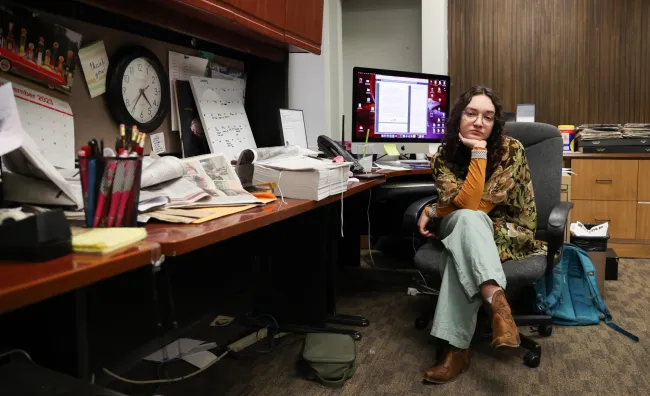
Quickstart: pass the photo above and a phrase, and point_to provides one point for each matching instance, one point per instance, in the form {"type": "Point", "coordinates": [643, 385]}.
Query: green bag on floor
{"type": "Point", "coordinates": [329, 358]}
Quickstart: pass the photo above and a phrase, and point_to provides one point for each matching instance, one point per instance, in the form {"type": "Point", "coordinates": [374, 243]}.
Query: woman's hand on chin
{"type": "Point", "coordinates": [472, 143]}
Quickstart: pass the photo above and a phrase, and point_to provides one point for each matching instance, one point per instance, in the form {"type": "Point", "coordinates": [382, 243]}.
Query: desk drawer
{"type": "Point", "coordinates": [644, 180]}
{"type": "Point", "coordinates": [621, 216]}
{"type": "Point", "coordinates": [605, 180]}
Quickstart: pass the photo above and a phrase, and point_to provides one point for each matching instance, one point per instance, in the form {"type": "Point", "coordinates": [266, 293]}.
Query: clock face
{"type": "Point", "coordinates": [141, 90]}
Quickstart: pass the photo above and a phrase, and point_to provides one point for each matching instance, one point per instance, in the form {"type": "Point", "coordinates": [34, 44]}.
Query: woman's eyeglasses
{"type": "Point", "coordinates": [472, 115]}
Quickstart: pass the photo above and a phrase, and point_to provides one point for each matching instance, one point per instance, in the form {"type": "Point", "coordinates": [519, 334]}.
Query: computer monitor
{"type": "Point", "coordinates": [409, 109]}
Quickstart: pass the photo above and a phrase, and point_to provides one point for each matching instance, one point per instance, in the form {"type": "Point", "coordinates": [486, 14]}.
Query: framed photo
{"type": "Point", "coordinates": [292, 123]}
{"type": "Point", "coordinates": [34, 49]}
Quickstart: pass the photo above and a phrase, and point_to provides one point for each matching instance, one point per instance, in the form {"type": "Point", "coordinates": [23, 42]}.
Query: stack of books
{"type": "Point", "coordinates": [303, 177]}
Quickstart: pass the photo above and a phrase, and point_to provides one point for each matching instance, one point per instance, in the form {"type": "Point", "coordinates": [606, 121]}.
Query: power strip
{"type": "Point", "coordinates": [252, 339]}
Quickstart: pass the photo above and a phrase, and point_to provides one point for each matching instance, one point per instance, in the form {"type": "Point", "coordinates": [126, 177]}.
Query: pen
{"type": "Point", "coordinates": [91, 192]}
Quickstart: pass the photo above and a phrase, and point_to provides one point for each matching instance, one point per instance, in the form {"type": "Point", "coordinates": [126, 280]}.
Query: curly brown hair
{"type": "Point", "coordinates": [453, 151]}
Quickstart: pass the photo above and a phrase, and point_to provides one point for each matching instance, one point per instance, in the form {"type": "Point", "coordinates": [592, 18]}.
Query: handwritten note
{"type": "Point", "coordinates": [94, 62]}
{"type": "Point", "coordinates": [158, 142]}
{"type": "Point", "coordinates": [182, 67]}
{"type": "Point", "coordinates": [221, 108]}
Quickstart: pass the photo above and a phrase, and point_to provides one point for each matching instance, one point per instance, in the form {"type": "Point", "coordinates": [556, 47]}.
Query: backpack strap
{"type": "Point", "coordinates": [597, 300]}
{"type": "Point", "coordinates": [556, 280]}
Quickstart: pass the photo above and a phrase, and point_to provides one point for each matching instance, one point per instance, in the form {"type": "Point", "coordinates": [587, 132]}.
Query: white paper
{"type": "Point", "coordinates": [200, 359]}
{"type": "Point", "coordinates": [182, 67]}
{"type": "Point", "coordinates": [220, 105]}
{"type": "Point", "coordinates": [579, 229]}
{"type": "Point", "coordinates": [293, 128]}
{"type": "Point", "coordinates": [158, 142]}
{"type": "Point", "coordinates": [49, 122]}
{"type": "Point", "coordinates": [161, 170]}
{"type": "Point", "coordinates": [31, 178]}
{"type": "Point", "coordinates": [172, 349]}
{"type": "Point", "coordinates": [389, 167]}
{"type": "Point", "coordinates": [11, 131]}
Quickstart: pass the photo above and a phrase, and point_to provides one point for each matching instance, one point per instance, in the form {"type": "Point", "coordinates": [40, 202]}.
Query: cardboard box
{"type": "Point", "coordinates": [565, 196]}
{"type": "Point", "coordinates": [599, 259]}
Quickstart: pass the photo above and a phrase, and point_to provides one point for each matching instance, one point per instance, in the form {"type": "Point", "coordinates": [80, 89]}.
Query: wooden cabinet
{"type": "Point", "coordinates": [264, 16]}
{"type": "Point", "coordinates": [643, 221]}
{"type": "Point", "coordinates": [621, 216]}
{"type": "Point", "coordinates": [644, 181]}
{"type": "Point", "coordinates": [614, 180]}
{"type": "Point", "coordinates": [266, 28]}
{"type": "Point", "coordinates": [304, 24]}
{"type": "Point", "coordinates": [614, 188]}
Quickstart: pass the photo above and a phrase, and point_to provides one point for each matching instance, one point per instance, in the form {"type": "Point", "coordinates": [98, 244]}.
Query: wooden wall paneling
{"type": "Point", "coordinates": [578, 61]}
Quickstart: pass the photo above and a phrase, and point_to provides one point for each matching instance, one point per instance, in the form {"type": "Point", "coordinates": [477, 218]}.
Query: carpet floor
{"type": "Point", "coordinates": [392, 355]}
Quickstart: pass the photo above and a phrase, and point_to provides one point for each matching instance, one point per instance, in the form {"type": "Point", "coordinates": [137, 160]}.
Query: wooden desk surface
{"type": "Point", "coordinates": [23, 283]}
{"type": "Point", "coordinates": [177, 239]}
{"type": "Point", "coordinates": [573, 155]}
{"type": "Point", "coordinates": [406, 172]}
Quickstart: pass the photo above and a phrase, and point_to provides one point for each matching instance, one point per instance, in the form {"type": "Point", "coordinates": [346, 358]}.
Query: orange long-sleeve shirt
{"type": "Point", "coordinates": [470, 195]}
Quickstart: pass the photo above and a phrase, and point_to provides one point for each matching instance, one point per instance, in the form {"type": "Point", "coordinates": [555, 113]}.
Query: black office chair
{"type": "Point", "coordinates": [543, 144]}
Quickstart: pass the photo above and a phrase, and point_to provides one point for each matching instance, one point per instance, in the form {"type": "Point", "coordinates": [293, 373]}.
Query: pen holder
{"type": "Point", "coordinates": [111, 190]}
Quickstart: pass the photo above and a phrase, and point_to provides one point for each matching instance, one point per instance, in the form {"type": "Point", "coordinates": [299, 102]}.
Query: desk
{"type": "Point", "coordinates": [22, 284]}
{"type": "Point", "coordinates": [301, 298]}
{"type": "Point", "coordinates": [177, 239]}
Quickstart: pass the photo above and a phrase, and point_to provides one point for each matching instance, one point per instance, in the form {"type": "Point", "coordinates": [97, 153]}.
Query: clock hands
{"type": "Point", "coordinates": [136, 101]}
{"type": "Point", "coordinates": [145, 96]}
{"type": "Point", "coordinates": [138, 98]}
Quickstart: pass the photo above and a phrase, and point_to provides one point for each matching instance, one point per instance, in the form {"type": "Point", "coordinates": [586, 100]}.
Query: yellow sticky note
{"type": "Point", "coordinates": [391, 149]}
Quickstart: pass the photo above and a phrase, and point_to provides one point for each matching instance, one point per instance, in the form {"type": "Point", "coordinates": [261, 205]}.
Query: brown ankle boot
{"type": "Point", "coordinates": [455, 362]}
{"type": "Point", "coordinates": [504, 329]}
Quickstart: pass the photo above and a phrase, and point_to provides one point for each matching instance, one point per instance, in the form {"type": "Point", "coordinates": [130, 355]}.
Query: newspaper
{"type": "Point", "coordinates": [202, 181]}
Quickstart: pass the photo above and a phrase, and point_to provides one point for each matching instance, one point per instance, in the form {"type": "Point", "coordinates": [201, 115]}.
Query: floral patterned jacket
{"type": "Point", "coordinates": [510, 189]}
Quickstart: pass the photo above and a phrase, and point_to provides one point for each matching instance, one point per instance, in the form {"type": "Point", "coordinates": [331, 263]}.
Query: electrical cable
{"type": "Point", "coordinates": [415, 252]}
{"type": "Point", "coordinates": [15, 351]}
{"type": "Point", "coordinates": [164, 381]}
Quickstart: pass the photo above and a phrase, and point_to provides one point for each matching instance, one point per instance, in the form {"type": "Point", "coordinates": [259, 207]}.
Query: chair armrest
{"type": "Point", "coordinates": [555, 231]}
{"type": "Point", "coordinates": [412, 213]}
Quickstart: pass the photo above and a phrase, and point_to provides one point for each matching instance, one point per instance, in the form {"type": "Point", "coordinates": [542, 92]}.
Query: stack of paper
{"type": "Point", "coordinates": [303, 177]}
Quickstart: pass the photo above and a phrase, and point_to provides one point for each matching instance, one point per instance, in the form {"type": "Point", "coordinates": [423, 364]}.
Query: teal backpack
{"type": "Point", "coordinates": [569, 293]}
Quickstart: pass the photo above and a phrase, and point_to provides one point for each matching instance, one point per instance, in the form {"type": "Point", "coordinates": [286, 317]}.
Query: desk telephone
{"type": "Point", "coordinates": [332, 149]}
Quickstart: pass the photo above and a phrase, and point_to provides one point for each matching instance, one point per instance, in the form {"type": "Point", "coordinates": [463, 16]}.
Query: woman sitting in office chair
{"type": "Point", "coordinates": [485, 214]}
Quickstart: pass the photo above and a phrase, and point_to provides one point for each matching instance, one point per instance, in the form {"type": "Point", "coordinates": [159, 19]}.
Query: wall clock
{"type": "Point", "coordinates": [137, 90]}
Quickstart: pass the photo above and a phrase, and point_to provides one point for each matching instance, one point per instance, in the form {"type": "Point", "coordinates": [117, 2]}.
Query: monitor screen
{"type": "Point", "coordinates": [398, 106]}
